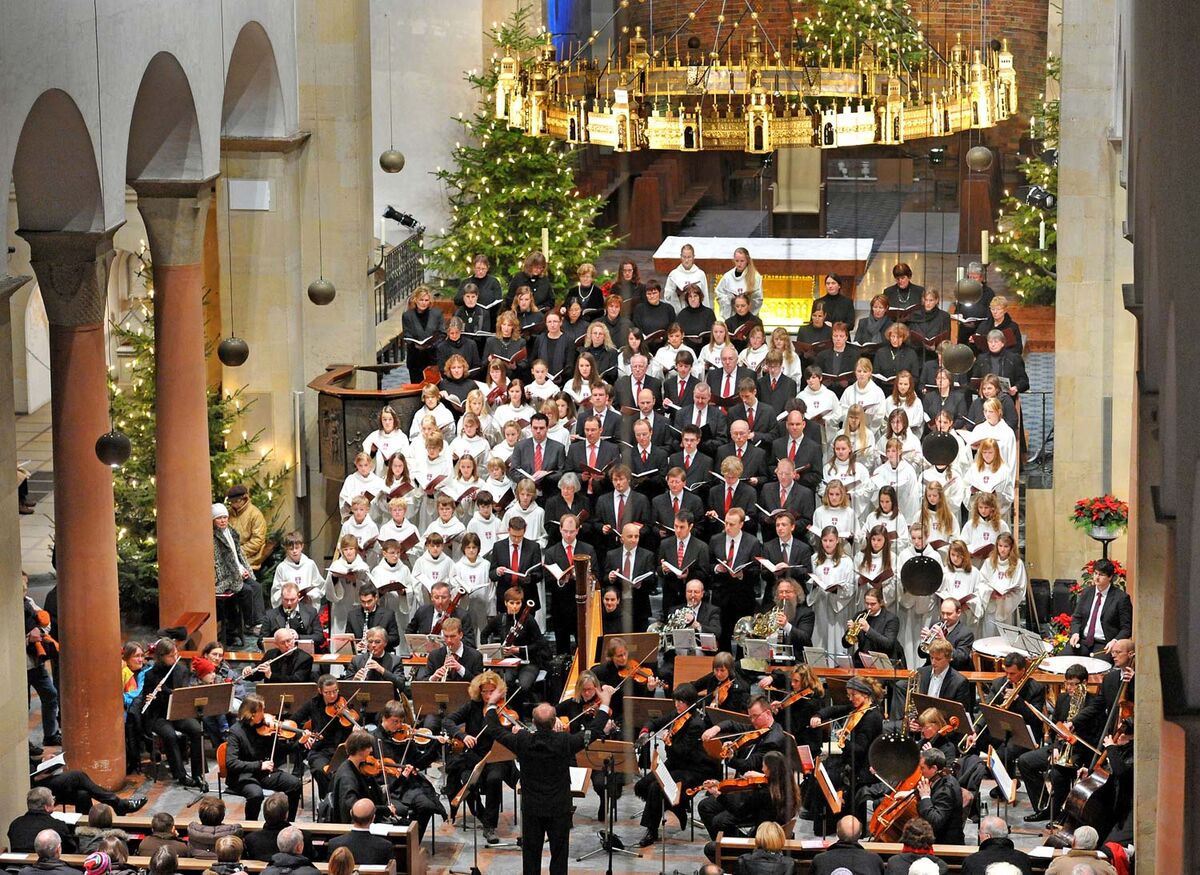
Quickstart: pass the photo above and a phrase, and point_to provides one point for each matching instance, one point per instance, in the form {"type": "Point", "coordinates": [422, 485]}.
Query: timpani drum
{"type": "Point", "coordinates": [1060, 664]}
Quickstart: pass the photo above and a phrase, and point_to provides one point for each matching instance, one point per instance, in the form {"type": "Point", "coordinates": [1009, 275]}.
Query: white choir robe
{"type": "Point", "coordinates": [380, 512]}
{"type": "Point", "coordinates": [426, 572]}
{"type": "Point", "coordinates": [1003, 434]}
{"type": "Point", "coordinates": [399, 602]}
{"type": "Point", "coordinates": [477, 446]}
{"type": "Point", "coordinates": [870, 399]}
{"type": "Point", "coordinates": [389, 531]}
{"type": "Point", "coordinates": [915, 412]}
{"type": "Point", "coordinates": [423, 507]}
{"type": "Point", "coordinates": [481, 591]}
{"type": "Point", "coordinates": [870, 569]}
{"type": "Point", "coordinates": [441, 415]}
{"type": "Point", "coordinates": [934, 533]}
{"type": "Point", "coordinates": [896, 523]}
{"type": "Point", "coordinates": [365, 533]}
{"type": "Point", "coordinates": [304, 574]}
{"type": "Point", "coordinates": [959, 584]}
{"type": "Point", "coordinates": [825, 404]}
{"type": "Point", "coordinates": [464, 508]}
{"type": "Point", "coordinates": [453, 527]}
{"type": "Point", "coordinates": [954, 488]}
{"type": "Point", "coordinates": [343, 594]}
{"type": "Point", "coordinates": [915, 611]}
{"type": "Point", "coordinates": [856, 482]}
{"type": "Point", "coordinates": [981, 535]}
{"type": "Point", "coordinates": [354, 485]}
{"type": "Point", "coordinates": [831, 592]}
{"type": "Point", "coordinates": [903, 478]}
{"type": "Point", "coordinates": [489, 531]}
{"type": "Point", "coordinates": [999, 483]}
{"type": "Point", "coordinates": [1003, 590]}
{"type": "Point", "coordinates": [910, 450]}
{"type": "Point", "coordinates": [383, 445]}
{"type": "Point", "coordinates": [842, 518]}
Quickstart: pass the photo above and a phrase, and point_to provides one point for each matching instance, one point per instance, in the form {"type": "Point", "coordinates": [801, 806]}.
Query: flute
{"type": "Point", "coordinates": [251, 669]}
{"type": "Point", "coordinates": [158, 689]}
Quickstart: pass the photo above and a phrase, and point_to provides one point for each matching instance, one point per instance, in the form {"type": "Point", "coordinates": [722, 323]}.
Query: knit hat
{"type": "Point", "coordinates": [202, 666]}
{"type": "Point", "coordinates": [860, 686]}
{"type": "Point", "coordinates": [98, 863]}
{"type": "Point", "coordinates": [219, 510]}
{"type": "Point", "coordinates": [237, 491]}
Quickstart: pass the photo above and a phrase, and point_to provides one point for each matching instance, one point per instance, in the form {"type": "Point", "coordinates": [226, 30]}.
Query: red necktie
{"type": "Point", "coordinates": [792, 451]}
{"type": "Point", "coordinates": [783, 494]}
{"type": "Point", "coordinates": [750, 418]}
{"type": "Point", "coordinates": [516, 563]}
{"type": "Point", "coordinates": [570, 554]}
{"type": "Point", "coordinates": [643, 457]}
{"type": "Point", "coordinates": [675, 502]}
{"type": "Point", "coordinates": [679, 560]}
{"type": "Point", "coordinates": [728, 499]}
{"type": "Point", "coordinates": [682, 385]}
{"type": "Point", "coordinates": [620, 508]}
{"type": "Point", "coordinates": [727, 392]}
{"type": "Point", "coordinates": [592, 456]}
{"type": "Point", "coordinates": [774, 383]}
{"type": "Point", "coordinates": [537, 458]}
{"type": "Point", "coordinates": [739, 452]}
{"type": "Point", "coordinates": [626, 569]}
{"type": "Point", "coordinates": [638, 392]}
{"type": "Point", "coordinates": [729, 559]}
{"type": "Point", "coordinates": [687, 462]}
{"type": "Point", "coordinates": [1090, 637]}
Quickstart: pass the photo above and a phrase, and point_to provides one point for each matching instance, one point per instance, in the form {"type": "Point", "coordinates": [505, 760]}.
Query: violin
{"type": "Point", "coordinates": [729, 748]}
{"type": "Point", "coordinates": [285, 729]}
{"type": "Point", "coordinates": [852, 721]}
{"type": "Point", "coordinates": [372, 767]}
{"type": "Point", "coordinates": [721, 693]}
{"type": "Point", "coordinates": [791, 699]}
{"type": "Point", "coordinates": [733, 784]}
{"type": "Point", "coordinates": [418, 735]}
{"type": "Point", "coordinates": [677, 726]}
{"type": "Point", "coordinates": [342, 712]}
{"type": "Point", "coordinates": [587, 709]}
{"type": "Point", "coordinates": [951, 726]}
{"type": "Point", "coordinates": [638, 672]}
{"type": "Point", "coordinates": [508, 716]}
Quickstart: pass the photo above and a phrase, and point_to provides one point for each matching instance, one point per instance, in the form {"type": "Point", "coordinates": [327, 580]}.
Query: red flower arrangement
{"type": "Point", "coordinates": [1089, 577]}
{"type": "Point", "coordinates": [1060, 628]}
{"type": "Point", "coordinates": [1103, 512]}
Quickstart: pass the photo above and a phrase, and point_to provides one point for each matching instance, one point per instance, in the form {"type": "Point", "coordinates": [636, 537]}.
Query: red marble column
{"type": "Point", "coordinates": [72, 271]}
{"type": "Point", "coordinates": [175, 214]}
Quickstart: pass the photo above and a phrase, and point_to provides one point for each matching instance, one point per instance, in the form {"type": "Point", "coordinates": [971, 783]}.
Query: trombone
{"type": "Point", "coordinates": [1003, 699]}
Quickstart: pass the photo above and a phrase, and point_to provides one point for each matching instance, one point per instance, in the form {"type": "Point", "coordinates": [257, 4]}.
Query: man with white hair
{"type": "Point", "coordinates": [48, 847]}
{"type": "Point", "coordinates": [924, 867]}
{"type": "Point", "coordinates": [24, 830]}
{"type": "Point", "coordinates": [996, 849]}
{"type": "Point", "coordinates": [1083, 853]}
{"type": "Point", "coordinates": [290, 860]}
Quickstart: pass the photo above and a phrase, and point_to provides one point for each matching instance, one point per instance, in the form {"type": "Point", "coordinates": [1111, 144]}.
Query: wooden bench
{"type": "Point", "coordinates": [186, 864]}
{"type": "Point", "coordinates": [664, 195]}
{"type": "Point", "coordinates": [803, 851]}
{"type": "Point", "coordinates": [410, 857]}
{"type": "Point", "coordinates": [191, 621]}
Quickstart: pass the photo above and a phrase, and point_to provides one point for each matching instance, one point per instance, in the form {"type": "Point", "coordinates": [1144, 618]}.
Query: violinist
{"type": "Point", "coordinates": [329, 717]}
{"type": "Point", "coordinates": [939, 799]}
{"type": "Point", "coordinates": [284, 663]}
{"type": "Point", "coordinates": [410, 792]}
{"type": "Point", "coordinates": [160, 680]}
{"type": "Point", "coordinates": [351, 782]}
{"type": "Point", "coordinates": [376, 664]}
{"type": "Point", "coordinates": [1061, 757]}
{"type": "Point", "coordinates": [736, 696]}
{"type": "Point", "coordinates": [804, 696]}
{"type": "Point", "coordinates": [467, 724]}
{"type": "Point", "coordinates": [751, 746]}
{"type": "Point", "coordinates": [504, 630]}
{"type": "Point", "coordinates": [863, 725]}
{"type": "Point", "coordinates": [622, 673]}
{"type": "Point", "coordinates": [687, 761]}
{"type": "Point", "coordinates": [777, 798]}
{"type": "Point", "coordinates": [575, 715]}
{"type": "Point", "coordinates": [454, 660]}
{"type": "Point", "coordinates": [933, 734]}
{"type": "Point", "coordinates": [253, 759]}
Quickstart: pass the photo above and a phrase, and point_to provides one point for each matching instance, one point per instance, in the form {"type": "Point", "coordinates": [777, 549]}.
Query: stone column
{"type": "Point", "coordinates": [72, 270]}
{"type": "Point", "coordinates": [176, 213]}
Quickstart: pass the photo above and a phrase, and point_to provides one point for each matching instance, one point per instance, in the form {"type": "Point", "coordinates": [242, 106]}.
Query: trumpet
{"type": "Point", "coordinates": [929, 635]}
{"type": "Point", "coordinates": [854, 631]}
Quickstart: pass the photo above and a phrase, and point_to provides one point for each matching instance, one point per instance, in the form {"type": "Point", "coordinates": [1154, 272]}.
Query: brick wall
{"type": "Point", "coordinates": [1022, 22]}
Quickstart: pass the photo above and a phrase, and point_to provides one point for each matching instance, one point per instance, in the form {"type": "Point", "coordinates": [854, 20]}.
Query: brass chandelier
{"type": "Point", "coordinates": [752, 98]}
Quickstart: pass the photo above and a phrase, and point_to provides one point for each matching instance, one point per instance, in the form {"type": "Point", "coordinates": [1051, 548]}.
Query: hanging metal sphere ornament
{"type": "Point", "coordinates": [321, 292]}
{"type": "Point", "coordinates": [939, 448]}
{"type": "Point", "coordinates": [979, 158]}
{"type": "Point", "coordinates": [233, 352]}
{"type": "Point", "coordinates": [113, 448]}
{"type": "Point", "coordinates": [391, 161]}
{"type": "Point", "coordinates": [958, 358]}
{"type": "Point", "coordinates": [968, 291]}
{"type": "Point", "coordinates": [921, 575]}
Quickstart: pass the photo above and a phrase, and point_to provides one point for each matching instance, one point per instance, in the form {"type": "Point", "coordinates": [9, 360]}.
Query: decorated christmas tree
{"type": "Point", "coordinates": [1024, 247]}
{"type": "Point", "coordinates": [235, 458]}
{"type": "Point", "coordinates": [837, 30]}
{"type": "Point", "coordinates": [505, 186]}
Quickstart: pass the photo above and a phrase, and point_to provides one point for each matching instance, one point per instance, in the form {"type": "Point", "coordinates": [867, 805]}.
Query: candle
{"type": "Point", "coordinates": [1042, 234]}
{"type": "Point", "coordinates": [962, 272]}
{"type": "Point", "coordinates": [983, 245]}
{"type": "Point", "coordinates": [382, 233]}
{"type": "Point", "coordinates": [546, 243]}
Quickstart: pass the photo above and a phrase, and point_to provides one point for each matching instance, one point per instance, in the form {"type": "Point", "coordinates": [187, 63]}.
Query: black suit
{"type": "Point", "coordinates": [754, 460]}
{"type": "Point", "coordinates": [847, 855]}
{"type": "Point", "coordinates": [393, 669]}
{"type": "Point", "coordinates": [245, 753]}
{"type": "Point", "coordinates": [1115, 621]}
{"type": "Point", "coordinates": [697, 474]}
{"type": "Point", "coordinates": [295, 668]}
{"type": "Point", "coordinates": [808, 452]}
{"type": "Point", "coordinates": [766, 425]}
{"type": "Point", "coordinates": [1007, 364]}
{"type": "Point", "coordinates": [606, 456]}
{"type": "Point", "coordinates": [670, 389]}
{"type": "Point", "coordinates": [785, 390]}
{"type": "Point", "coordinates": [358, 621]}
{"type": "Point", "coordinates": [661, 434]}
{"type": "Point", "coordinates": [996, 850]}
{"type": "Point", "coordinates": [421, 622]}
{"type": "Point", "coordinates": [625, 396]}
{"type": "Point", "coordinates": [944, 810]}
{"type": "Point", "coordinates": [656, 462]}
{"type": "Point", "coordinates": [637, 510]}
{"type": "Point", "coordinates": [1031, 698]}
{"type": "Point", "coordinates": [799, 631]}
{"type": "Point", "coordinates": [545, 757]}
{"type": "Point", "coordinates": [368, 850]}
{"type": "Point", "coordinates": [744, 496]}
{"type": "Point", "coordinates": [954, 686]}
{"type": "Point", "coordinates": [554, 459]}
{"type": "Point", "coordinates": [530, 564]}
{"type": "Point", "coordinates": [881, 637]}
{"type": "Point", "coordinates": [962, 639]}
{"type": "Point", "coordinates": [305, 620]}
{"type": "Point", "coordinates": [471, 661]}
{"type": "Point", "coordinates": [662, 510]}
{"type": "Point", "coordinates": [24, 829]}
{"type": "Point", "coordinates": [696, 564]}
{"type": "Point", "coordinates": [563, 617]}
{"type": "Point", "coordinates": [347, 786]}
{"type": "Point", "coordinates": [800, 501]}
{"type": "Point", "coordinates": [798, 553]}
{"type": "Point", "coordinates": [713, 433]}
{"type": "Point", "coordinates": [643, 563]}
{"type": "Point", "coordinates": [736, 598]}
{"type": "Point", "coordinates": [716, 381]}
{"type": "Point", "coordinates": [609, 428]}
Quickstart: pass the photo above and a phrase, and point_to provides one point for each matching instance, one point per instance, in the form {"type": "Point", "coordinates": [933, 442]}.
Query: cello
{"type": "Point", "coordinates": [900, 806]}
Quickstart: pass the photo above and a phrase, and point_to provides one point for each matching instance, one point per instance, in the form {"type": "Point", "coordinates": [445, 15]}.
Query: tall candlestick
{"type": "Point", "coordinates": [382, 233]}
{"type": "Point", "coordinates": [1042, 234]}
{"type": "Point", "coordinates": [546, 243]}
{"type": "Point", "coordinates": [984, 239]}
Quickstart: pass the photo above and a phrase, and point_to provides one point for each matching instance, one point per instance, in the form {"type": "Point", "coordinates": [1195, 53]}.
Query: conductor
{"type": "Point", "coordinates": [546, 756]}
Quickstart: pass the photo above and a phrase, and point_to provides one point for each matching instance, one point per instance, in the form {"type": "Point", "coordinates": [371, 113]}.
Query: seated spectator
{"type": "Point", "coordinates": [847, 852]}
{"type": "Point", "coordinates": [767, 858]}
{"type": "Point", "coordinates": [203, 835]}
{"type": "Point", "coordinates": [341, 862]}
{"type": "Point", "coordinates": [1083, 851]}
{"type": "Point", "coordinates": [229, 855]}
{"type": "Point", "coordinates": [48, 846]}
{"type": "Point", "coordinates": [290, 859]}
{"type": "Point", "coordinates": [162, 834]}
{"type": "Point", "coordinates": [917, 839]}
{"type": "Point", "coordinates": [263, 844]}
{"type": "Point", "coordinates": [24, 830]}
{"type": "Point", "coordinates": [995, 847]}
{"type": "Point", "coordinates": [118, 856]}
{"type": "Point", "coordinates": [163, 862]}
{"type": "Point", "coordinates": [368, 849]}
{"type": "Point", "coordinates": [99, 826]}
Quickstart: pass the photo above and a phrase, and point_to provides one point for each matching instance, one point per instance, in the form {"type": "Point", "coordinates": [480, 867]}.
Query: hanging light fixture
{"type": "Point", "coordinates": [113, 448]}
{"type": "Point", "coordinates": [979, 158]}
{"type": "Point", "coordinates": [320, 291]}
{"type": "Point", "coordinates": [233, 350]}
{"type": "Point", "coordinates": [391, 160]}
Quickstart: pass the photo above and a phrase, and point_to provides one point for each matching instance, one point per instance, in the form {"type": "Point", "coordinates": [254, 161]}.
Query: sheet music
{"type": "Point", "coordinates": [670, 788]}
{"type": "Point", "coordinates": [1008, 786]}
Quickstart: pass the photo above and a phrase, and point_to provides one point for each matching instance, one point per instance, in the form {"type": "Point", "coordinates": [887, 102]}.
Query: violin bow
{"type": "Point", "coordinates": [641, 663]}
{"type": "Point", "coordinates": [278, 719]}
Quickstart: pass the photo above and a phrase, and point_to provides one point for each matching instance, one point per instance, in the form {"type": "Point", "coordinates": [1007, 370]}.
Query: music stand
{"type": "Point", "coordinates": [719, 715]}
{"type": "Point", "coordinates": [611, 757]}
{"type": "Point", "coordinates": [691, 668]}
{"type": "Point", "coordinates": [440, 697]}
{"type": "Point", "coordinates": [497, 753]}
{"type": "Point", "coordinates": [338, 642]}
{"type": "Point", "coordinates": [206, 700]}
{"type": "Point", "coordinates": [948, 707]}
{"type": "Point", "coordinates": [420, 645]}
{"type": "Point", "coordinates": [644, 710]}
{"type": "Point", "coordinates": [290, 696]}
{"type": "Point", "coordinates": [637, 643]}
{"type": "Point", "coordinates": [836, 687]}
{"type": "Point", "coordinates": [370, 696]}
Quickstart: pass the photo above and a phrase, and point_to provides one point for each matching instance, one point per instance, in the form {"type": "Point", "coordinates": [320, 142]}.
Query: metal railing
{"type": "Point", "coordinates": [402, 272]}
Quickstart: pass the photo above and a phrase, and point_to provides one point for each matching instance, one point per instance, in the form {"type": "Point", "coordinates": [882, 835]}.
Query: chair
{"type": "Point", "coordinates": [222, 750]}
{"type": "Point", "coordinates": [229, 617]}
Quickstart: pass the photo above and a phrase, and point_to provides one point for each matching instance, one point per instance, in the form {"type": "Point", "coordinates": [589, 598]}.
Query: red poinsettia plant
{"type": "Point", "coordinates": [1088, 577]}
{"type": "Point", "coordinates": [1060, 628]}
{"type": "Point", "coordinates": [1102, 512]}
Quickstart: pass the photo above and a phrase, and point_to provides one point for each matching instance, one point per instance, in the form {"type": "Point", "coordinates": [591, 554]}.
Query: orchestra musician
{"type": "Point", "coordinates": [802, 682]}
{"type": "Point", "coordinates": [293, 614]}
{"type": "Point", "coordinates": [467, 724]}
{"type": "Point", "coordinates": [437, 610]}
{"type": "Point", "coordinates": [1103, 615]}
{"type": "Point", "coordinates": [350, 784]}
{"type": "Point", "coordinates": [1031, 697]}
{"type": "Point", "coordinates": [453, 661]}
{"type": "Point", "coordinates": [502, 629]}
{"type": "Point", "coordinates": [1119, 750]}
{"type": "Point", "coordinates": [941, 680]}
{"type": "Point", "coordinates": [739, 813]}
{"type": "Point", "coordinates": [958, 633]}
{"type": "Point", "coordinates": [930, 725]}
{"type": "Point", "coordinates": [368, 613]}
{"type": "Point", "coordinates": [1122, 672]}
{"type": "Point", "coordinates": [686, 760]}
{"type": "Point", "coordinates": [253, 760]}
{"type": "Point", "coordinates": [878, 631]}
{"type": "Point", "coordinates": [863, 725]}
{"type": "Point", "coordinates": [736, 696]}
{"type": "Point", "coordinates": [940, 799]}
{"type": "Point", "coordinates": [160, 681]}
{"type": "Point", "coordinates": [409, 791]}
{"type": "Point", "coordinates": [284, 663]}
{"type": "Point", "coordinates": [376, 664]}
{"type": "Point", "coordinates": [796, 619]}
{"type": "Point", "coordinates": [330, 729]}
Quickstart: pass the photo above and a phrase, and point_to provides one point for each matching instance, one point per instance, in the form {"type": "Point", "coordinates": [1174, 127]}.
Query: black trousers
{"type": "Point", "coordinates": [1033, 766]}
{"type": "Point", "coordinates": [318, 759]}
{"type": "Point", "coordinates": [173, 733]}
{"type": "Point", "coordinates": [720, 815]}
{"type": "Point", "coordinates": [647, 788]}
{"type": "Point", "coordinates": [278, 781]}
{"type": "Point", "coordinates": [491, 783]}
{"type": "Point", "coordinates": [75, 788]}
{"type": "Point", "coordinates": [540, 825]}
{"type": "Point", "coordinates": [417, 801]}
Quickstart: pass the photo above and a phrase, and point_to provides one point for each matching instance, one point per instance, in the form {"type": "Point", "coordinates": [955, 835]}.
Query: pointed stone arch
{"type": "Point", "coordinates": [164, 131]}
{"type": "Point", "coordinates": [253, 100]}
{"type": "Point", "coordinates": [54, 168]}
